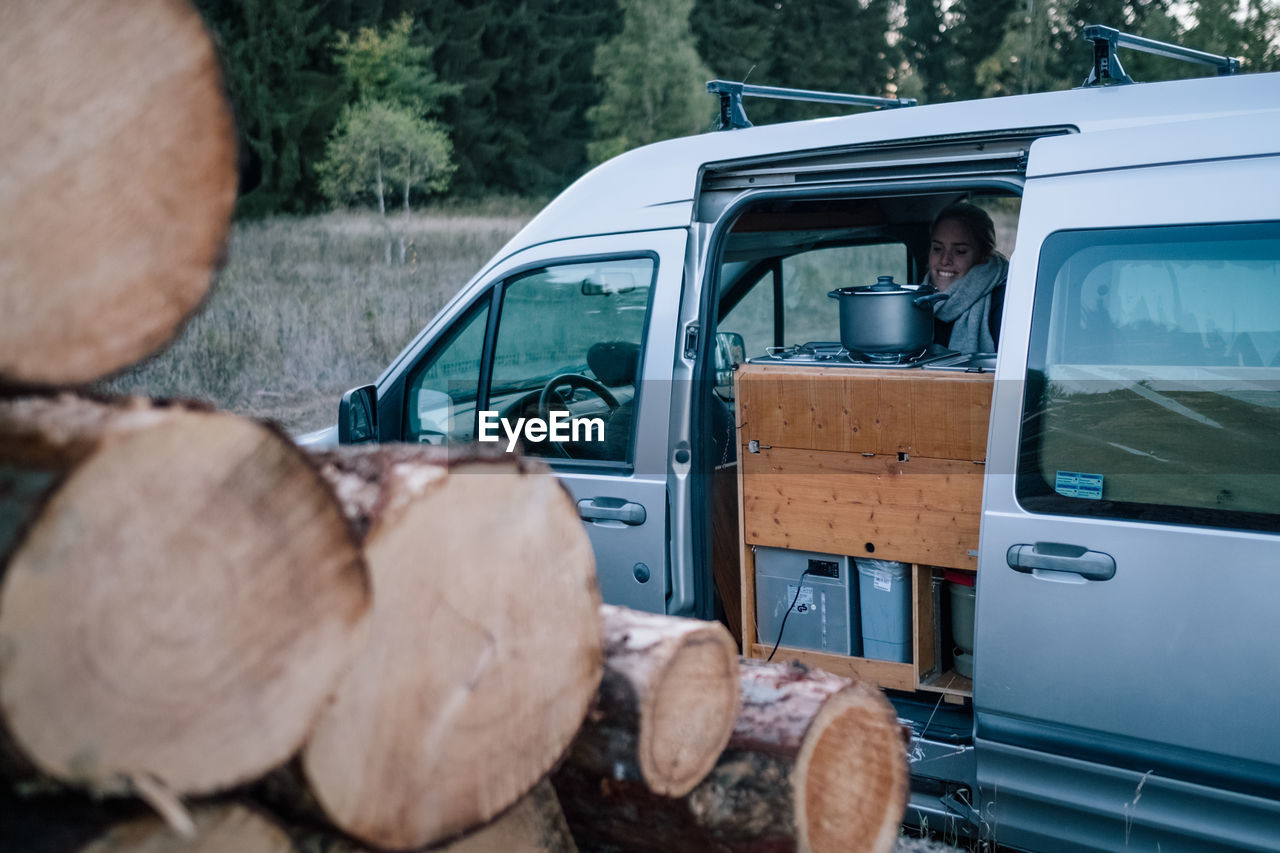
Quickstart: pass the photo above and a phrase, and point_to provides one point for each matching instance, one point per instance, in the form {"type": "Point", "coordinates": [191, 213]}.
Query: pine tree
{"type": "Point", "coordinates": [1033, 55]}
{"type": "Point", "coordinates": [1250, 32]}
{"type": "Point", "coordinates": [735, 37]}
{"type": "Point", "coordinates": [655, 83]}
{"type": "Point", "coordinates": [1154, 20]}
{"type": "Point", "coordinates": [974, 34]}
{"type": "Point", "coordinates": [1262, 22]}
{"type": "Point", "coordinates": [285, 96]}
{"type": "Point", "coordinates": [527, 71]}
{"type": "Point", "coordinates": [834, 46]}
{"type": "Point", "coordinates": [924, 48]}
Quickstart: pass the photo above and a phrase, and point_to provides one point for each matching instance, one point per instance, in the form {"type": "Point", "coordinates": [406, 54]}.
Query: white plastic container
{"type": "Point", "coordinates": [884, 590]}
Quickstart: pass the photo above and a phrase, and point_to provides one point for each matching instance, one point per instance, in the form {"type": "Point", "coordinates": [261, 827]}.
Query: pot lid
{"type": "Point", "coordinates": [884, 284]}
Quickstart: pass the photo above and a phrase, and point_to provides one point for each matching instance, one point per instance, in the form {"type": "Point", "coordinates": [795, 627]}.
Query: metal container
{"type": "Point", "coordinates": [808, 598]}
{"type": "Point", "coordinates": [886, 317]}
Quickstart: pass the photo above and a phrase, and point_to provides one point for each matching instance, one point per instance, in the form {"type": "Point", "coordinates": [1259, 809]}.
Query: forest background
{"type": "Point", "coordinates": [532, 93]}
{"type": "Point", "coordinates": [460, 118]}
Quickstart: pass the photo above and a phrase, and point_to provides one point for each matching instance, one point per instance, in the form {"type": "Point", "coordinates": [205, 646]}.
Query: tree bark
{"type": "Point", "coordinates": [382, 202]}
{"type": "Point", "coordinates": [180, 595]}
{"type": "Point", "coordinates": [484, 652]}
{"type": "Point", "coordinates": [120, 177]}
{"type": "Point", "coordinates": [815, 763]}
{"type": "Point", "coordinates": [667, 704]}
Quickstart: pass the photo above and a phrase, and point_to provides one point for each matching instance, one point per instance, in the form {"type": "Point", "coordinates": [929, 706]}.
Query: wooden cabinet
{"type": "Point", "coordinates": [935, 414]}
{"type": "Point", "coordinates": [865, 463]}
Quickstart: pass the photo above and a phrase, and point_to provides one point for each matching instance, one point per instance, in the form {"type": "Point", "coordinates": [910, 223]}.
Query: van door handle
{"type": "Point", "coordinates": [612, 509]}
{"type": "Point", "coordinates": [1069, 559]}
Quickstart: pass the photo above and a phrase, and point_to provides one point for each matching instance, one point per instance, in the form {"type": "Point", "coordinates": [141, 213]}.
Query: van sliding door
{"type": "Point", "coordinates": [1129, 572]}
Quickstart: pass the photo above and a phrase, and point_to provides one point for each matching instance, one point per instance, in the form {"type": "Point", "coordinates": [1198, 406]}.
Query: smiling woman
{"type": "Point", "coordinates": [964, 264]}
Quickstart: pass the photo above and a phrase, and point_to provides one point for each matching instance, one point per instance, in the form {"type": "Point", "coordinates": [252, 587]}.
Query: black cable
{"type": "Point", "coordinates": [783, 626]}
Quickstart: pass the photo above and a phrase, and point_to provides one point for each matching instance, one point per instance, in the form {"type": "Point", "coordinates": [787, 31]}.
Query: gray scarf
{"type": "Point", "coordinates": [968, 305]}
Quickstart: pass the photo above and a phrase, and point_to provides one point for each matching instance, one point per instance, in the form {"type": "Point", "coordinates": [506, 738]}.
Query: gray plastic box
{"type": "Point", "coordinates": [825, 614]}
{"type": "Point", "coordinates": [885, 594]}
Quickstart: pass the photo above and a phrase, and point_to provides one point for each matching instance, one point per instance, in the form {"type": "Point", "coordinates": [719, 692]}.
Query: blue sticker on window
{"type": "Point", "coordinates": [1074, 484]}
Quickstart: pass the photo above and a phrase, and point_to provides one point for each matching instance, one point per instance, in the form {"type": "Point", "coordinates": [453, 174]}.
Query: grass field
{"type": "Point", "coordinates": [307, 307]}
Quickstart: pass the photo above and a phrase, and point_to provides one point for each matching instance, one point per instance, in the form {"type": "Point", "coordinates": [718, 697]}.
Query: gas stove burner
{"type": "Point", "coordinates": [832, 354]}
{"type": "Point", "coordinates": [890, 357]}
{"type": "Point", "coordinates": [812, 351]}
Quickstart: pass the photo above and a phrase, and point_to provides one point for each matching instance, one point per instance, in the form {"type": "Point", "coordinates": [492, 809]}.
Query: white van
{"type": "Point", "coordinates": [1114, 487]}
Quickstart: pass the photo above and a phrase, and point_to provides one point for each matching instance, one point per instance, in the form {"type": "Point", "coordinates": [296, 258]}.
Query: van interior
{"type": "Point", "coordinates": [778, 261]}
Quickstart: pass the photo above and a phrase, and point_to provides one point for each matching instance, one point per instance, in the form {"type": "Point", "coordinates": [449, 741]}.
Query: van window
{"type": "Point", "coordinates": [1153, 381]}
{"type": "Point", "coordinates": [580, 326]}
{"type": "Point", "coordinates": [807, 313]}
{"type": "Point", "coordinates": [442, 392]}
{"type": "Point", "coordinates": [808, 277]}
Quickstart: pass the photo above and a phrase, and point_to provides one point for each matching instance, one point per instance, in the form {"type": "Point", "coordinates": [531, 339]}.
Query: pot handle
{"type": "Point", "coordinates": [834, 294]}
{"type": "Point", "coordinates": [930, 298]}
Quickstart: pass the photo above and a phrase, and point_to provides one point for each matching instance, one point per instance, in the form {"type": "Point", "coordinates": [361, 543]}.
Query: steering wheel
{"type": "Point", "coordinates": [573, 380]}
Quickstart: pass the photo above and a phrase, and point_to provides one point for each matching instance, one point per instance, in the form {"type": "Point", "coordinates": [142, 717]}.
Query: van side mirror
{"type": "Point", "coordinates": [608, 283]}
{"type": "Point", "coordinates": [358, 416]}
{"type": "Point", "coordinates": [730, 352]}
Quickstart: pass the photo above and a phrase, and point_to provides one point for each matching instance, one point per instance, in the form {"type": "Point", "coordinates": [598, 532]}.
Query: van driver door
{"type": "Point", "coordinates": [575, 335]}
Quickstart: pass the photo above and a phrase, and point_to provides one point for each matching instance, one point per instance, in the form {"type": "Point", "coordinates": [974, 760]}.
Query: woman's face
{"type": "Point", "coordinates": [952, 253]}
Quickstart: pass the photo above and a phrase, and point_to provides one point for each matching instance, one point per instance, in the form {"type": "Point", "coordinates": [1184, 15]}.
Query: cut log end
{"type": "Point", "coordinates": [692, 711]}
{"type": "Point", "coordinates": [484, 650]}
{"type": "Point", "coordinates": [850, 777]}
{"type": "Point", "coordinates": [181, 607]}
{"type": "Point", "coordinates": [121, 147]}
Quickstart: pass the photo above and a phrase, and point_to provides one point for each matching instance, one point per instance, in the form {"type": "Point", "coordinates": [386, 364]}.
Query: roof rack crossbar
{"type": "Point", "coordinates": [732, 114]}
{"type": "Point", "coordinates": [1108, 71]}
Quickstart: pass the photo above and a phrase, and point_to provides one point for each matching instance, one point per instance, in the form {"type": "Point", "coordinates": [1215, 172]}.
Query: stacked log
{"type": "Point", "coordinates": [815, 763]}
{"type": "Point", "coordinates": [485, 645]}
{"type": "Point", "coordinates": [667, 704]}
{"type": "Point", "coordinates": [120, 175]}
{"type": "Point", "coordinates": [181, 593]}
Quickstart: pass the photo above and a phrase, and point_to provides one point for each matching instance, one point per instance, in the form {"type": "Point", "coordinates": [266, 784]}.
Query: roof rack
{"type": "Point", "coordinates": [1107, 70]}
{"type": "Point", "coordinates": [732, 115]}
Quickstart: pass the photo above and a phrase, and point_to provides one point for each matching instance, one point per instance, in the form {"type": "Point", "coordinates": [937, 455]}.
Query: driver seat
{"type": "Point", "coordinates": [615, 364]}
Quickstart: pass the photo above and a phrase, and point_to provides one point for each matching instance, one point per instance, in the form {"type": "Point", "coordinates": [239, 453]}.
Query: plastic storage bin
{"type": "Point", "coordinates": [884, 590]}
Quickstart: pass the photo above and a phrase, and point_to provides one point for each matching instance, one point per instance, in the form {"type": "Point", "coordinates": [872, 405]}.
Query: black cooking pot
{"type": "Point", "coordinates": [886, 317]}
